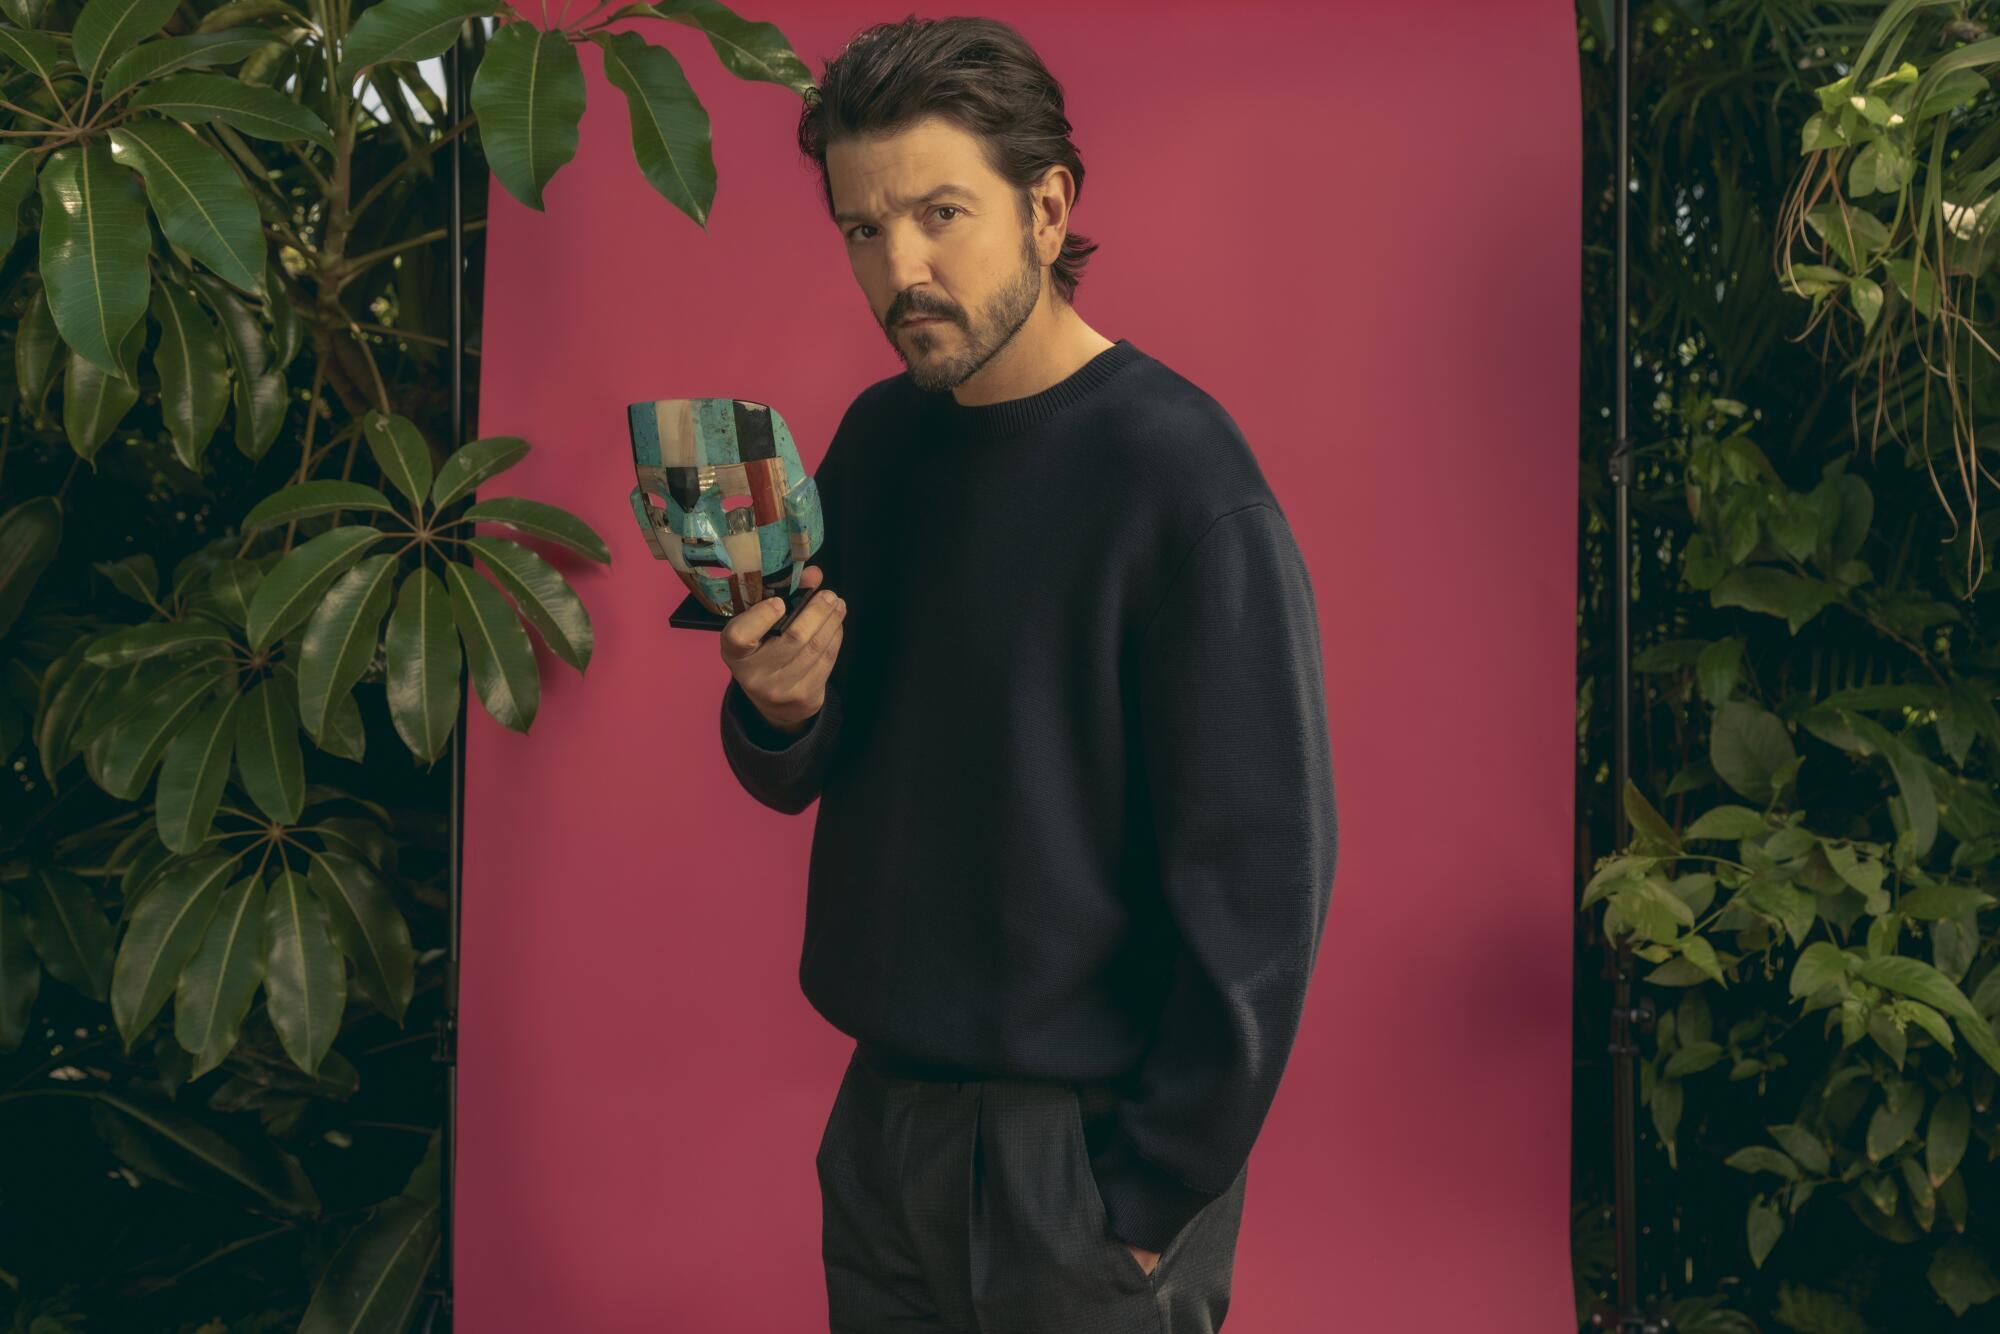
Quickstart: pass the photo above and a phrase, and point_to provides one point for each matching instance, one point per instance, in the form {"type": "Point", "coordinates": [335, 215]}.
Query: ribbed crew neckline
{"type": "Point", "coordinates": [993, 421]}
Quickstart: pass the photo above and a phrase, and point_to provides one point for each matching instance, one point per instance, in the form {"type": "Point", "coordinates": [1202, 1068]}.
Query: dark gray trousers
{"type": "Point", "coordinates": [969, 1207]}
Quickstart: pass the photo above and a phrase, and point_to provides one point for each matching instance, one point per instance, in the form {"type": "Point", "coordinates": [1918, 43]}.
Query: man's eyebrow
{"type": "Point", "coordinates": [961, 191]}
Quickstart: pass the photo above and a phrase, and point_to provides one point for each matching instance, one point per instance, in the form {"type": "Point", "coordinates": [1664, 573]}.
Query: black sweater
{"type": "Point", "coordinates": [1076, 810]}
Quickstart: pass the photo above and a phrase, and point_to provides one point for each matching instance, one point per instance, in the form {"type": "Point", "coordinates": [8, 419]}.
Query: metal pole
{"type": "Point", "coordinates": [441, 1315]}
{"type": "Point", "coordinates": [1623, 1050]}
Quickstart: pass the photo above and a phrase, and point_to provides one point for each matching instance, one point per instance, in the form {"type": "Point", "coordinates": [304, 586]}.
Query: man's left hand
{"type": "Point", "coordinates": [1147, 1259]}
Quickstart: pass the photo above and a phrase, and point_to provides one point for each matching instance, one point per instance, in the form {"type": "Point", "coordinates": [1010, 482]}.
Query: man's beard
{"type": "Point", "coordinates": [940, 371]}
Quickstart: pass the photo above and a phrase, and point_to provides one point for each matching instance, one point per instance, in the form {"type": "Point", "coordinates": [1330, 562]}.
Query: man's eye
{"type": "Point", "coordinates": [854, 233]}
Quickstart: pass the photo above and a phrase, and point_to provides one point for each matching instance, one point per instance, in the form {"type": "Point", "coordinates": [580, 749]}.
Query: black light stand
{"type": "Point", "coordinates": [1628, 1317]}
{"type": "Point", "coordinates": [439, 1317]}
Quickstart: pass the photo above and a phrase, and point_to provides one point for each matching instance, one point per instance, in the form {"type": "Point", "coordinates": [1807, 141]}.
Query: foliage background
{"type": "Point", "coordinates": [1814, 736]}
{"type": "Point", "coordinates": [242, 604]}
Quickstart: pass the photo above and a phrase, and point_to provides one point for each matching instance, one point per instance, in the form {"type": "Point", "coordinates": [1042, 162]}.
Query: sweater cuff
{"type": "Point", "coordinates": [1146, 1204]}
{"type": "Point", "coordinates": [757, 729]}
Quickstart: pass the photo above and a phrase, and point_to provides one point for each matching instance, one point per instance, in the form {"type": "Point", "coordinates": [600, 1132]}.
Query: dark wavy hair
{"type": "Point", "coordinates": [977, 73]}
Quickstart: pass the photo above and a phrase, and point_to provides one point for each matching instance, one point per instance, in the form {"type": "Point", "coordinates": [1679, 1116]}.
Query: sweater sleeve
{"type": "Point", "coordinates": [783, 771]}
{"type": "Point", "coordinates": [1239, 772]}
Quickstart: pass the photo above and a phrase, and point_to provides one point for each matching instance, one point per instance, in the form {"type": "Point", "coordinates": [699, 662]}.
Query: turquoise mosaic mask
{"type": "Point", "coordinates": [737, 515]}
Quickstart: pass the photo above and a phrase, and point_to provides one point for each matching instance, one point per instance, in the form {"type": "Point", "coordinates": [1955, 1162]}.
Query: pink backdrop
{"type": "Point", "coordinates": [1357, 226]}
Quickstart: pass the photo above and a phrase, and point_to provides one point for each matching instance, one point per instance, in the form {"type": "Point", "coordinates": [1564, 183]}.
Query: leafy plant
{"type": "Point", "coordinates": [228, 671]}
{"type": "Point", "coordinates": [1923, 144]}
{"type": "Point", "coordinates": [1828, 920]}
{"type": "Point", "coordinates": [1810, 878]}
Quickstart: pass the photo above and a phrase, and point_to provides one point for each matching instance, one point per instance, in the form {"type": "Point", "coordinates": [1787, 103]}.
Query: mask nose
{"type": "Point", "coordinates": [701, 528]}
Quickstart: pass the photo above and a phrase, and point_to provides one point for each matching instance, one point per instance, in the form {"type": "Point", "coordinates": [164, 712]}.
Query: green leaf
{"type": "Point", "coordinates": [69, 689]}
{"type": "Point", "coordinates": [1666, 1104]}
{"type": "Point", "coordinates": [1764, 1226]}
{"type": "Point", "coordinates": [1717, 668]}
{"type": "Point", "coordinates": [1866, 294]}
{"type": "Point", "coordinates": [423, 663]}
{"type": "Point", "coordinates": [1613, 875]}
{"type": "Point", "coordinates": [1950, 1131]}
{"type": "Point", "coordinates": [30, 534]}
{"type": "Point", "coordinates": [164, 1141]}
{"type": "Point", "coordinates": [134, 576]}
{"type": "Point", "coordinates": [540, 520]}
{"type": "Point", "coordinates": [321, 496]}
{"type": "Point", "coordinates": [68, 930]}
{"type": "Point", "coordinates": [1919, 981]}
{"type": "Point", "coordinates": [1792, 906]}
{"type": "Point", "coordinates": [1894, 1119]}
{"type": "Point", "coordinates": [106, 29]}
{"type": "Point", "coordinates": [1811, 280]}
{"type": "Point", "coordinates": [1933, 1023]}
{"type": "Point", "coordinates": [231, 587]}
{"type": "Point", "coordinates": [218, 982]}
{"type": "Point", "coordinates": [474, 462]}
{"type": "Point", "coordinates": [259, 390]}
{"type": "Point", "coordinates": [1694, 1058]}
{"type": "Point", "coordinates": [501, 658]}
{"type": "Point", "coordinates": [94, 242]}
{"type": "Point", "coordinates": [370, 930]}
{"type": "Point", "coordinates": [202, 204]}
{"type": "Point", "coordinates": [670, 127]}
{"type": "Point", "coordinates": [155, 639]}
{"type": "Point", "coordinates": [1697, 951]}
{"type": "Point", "coordinates": [345, 735]}
{"type": "Point", "coordinates": [1962, 1277]}
{"type": "Point", "coordinates": [1913, 784]}
{"type": "Point", "coordinates": [1819, 964]}
{"type": "Point", "coordinates": [1795, 598]}
{"type": "Point", "coordinates": [1863, 873]}
{"type": "Point", "coordinates": [341, 636]}
{"type": "Point", "coordinates": [528, 95]}
{"type": "Point", "coordinates": [267, 749]}
{"type": "Point", "coordinates": [1918, 285]}
{"type": "Point", "coordinates": [193, 775]}
{"type": "Point", "coordinates": [152, 60]}
{"type": "Point", "coordinates": [407, 30]}
{"type": "Point", "coordinates": [38, 351]}
{"type": "Point", "coordinates": [258, 112]}
{"type": "Point", "coordinates": [194, 375]}
{"type": "Point", "coordinates": [136, 745]}
{"type": "Point", "coordinates": [1647, 824]}
{"type": "Point", "coordinates": [31, 50]}
{"type": "Point", "coordinates": [558, 615]}
{"type": "Point", "coordinates": [1729, 823]}
{"type": "Point", "coordinates": [165, 930]}
{"type": "Point", "coordinates": [17, 181]}
{"type": "Point", "coordinates": [746, 48]}
{"type": "Point", "coordinates": [1761, 1158]}
{"type": "Point", "coordinates": [94, 400]}
{"type": "Point", "coordinates": [1820, 132]}
{"type": "Point", "coordinates": [1804, 1147]}
{"type": "Point", "coordinates": [1862, 169]}
{"type": "Point", "coordinates": [303, 974]}
{"type": "Point", "coordinates": [292, 588]}
{"type": "Point", "coordinates": [400, 453]}
{"type": "Point", "coordinates": [1937, 901]}
{"type": "Point", "coordinates": [1747, 746]}
{"type": "Point", "coordinates": [376, 1279]}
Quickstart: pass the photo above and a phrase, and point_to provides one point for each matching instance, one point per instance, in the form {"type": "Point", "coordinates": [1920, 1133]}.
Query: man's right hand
{"type": "Point", "coordinates": [785, 676]}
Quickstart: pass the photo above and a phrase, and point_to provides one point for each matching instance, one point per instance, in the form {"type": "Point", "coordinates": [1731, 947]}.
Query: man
{"type": "Point", "coordinates": [1076, 832]}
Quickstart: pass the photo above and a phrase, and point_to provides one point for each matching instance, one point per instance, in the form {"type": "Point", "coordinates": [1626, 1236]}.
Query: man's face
{"type": "Point", "coordinates": [965, 257]}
